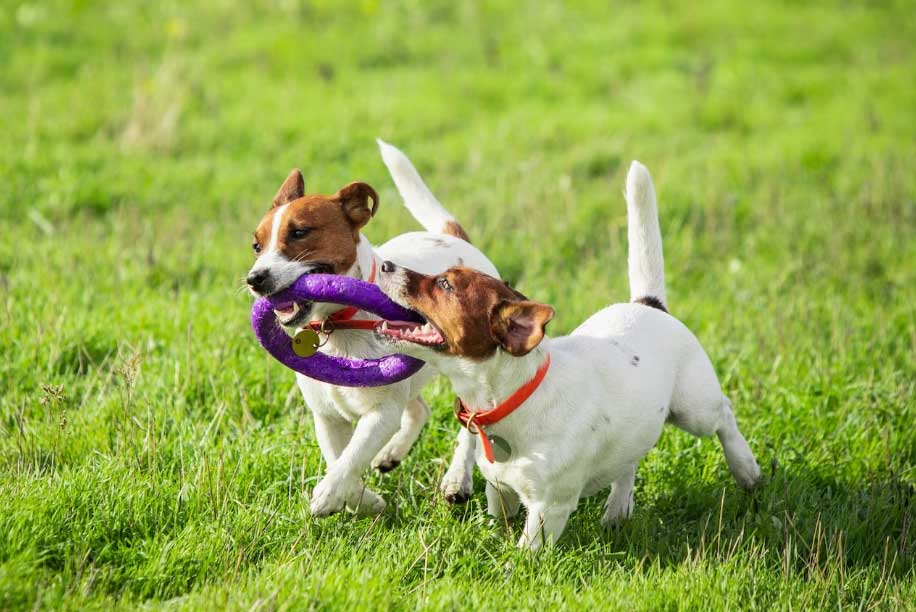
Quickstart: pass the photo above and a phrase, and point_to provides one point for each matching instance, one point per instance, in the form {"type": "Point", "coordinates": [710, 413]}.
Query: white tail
{"type": "Point", "coordinates": [418, 199]}
{"type": "Point", "coordinates": [646, 260]}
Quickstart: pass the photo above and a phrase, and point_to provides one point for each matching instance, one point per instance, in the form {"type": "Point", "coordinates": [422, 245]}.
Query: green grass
{"type": "Point", "coordinates": [147, 455]}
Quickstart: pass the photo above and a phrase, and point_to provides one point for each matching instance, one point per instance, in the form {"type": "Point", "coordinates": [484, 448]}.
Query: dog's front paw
{"type": "Point", "coordinates": [329, 496]}
{"type": "Point", "coordinates": [333, 495]}
{"type": "Point", "coordinates": [457, 490]}
{"type": "Point", "coordinates": [502, 504]}
{"type": "Point", "coordinates": [366, 502]}
{"type": "Point", "coordinates": [326, 499]}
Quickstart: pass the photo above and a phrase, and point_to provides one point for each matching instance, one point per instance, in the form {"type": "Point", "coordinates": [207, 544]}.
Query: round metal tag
{"type": "Point", "coordinates": [305, 342]}
{"type": "Point", "coordinates": [501, 449]}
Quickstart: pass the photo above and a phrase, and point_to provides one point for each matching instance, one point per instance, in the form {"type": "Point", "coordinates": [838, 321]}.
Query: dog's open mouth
{"type": "Point", "coordinates": [293, 313]}
{"type": "Point", "coordinates": [424, 334]}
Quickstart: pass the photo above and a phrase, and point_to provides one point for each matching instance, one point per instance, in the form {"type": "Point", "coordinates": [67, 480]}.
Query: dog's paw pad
{"type": "Point", "coordinates": [457, 497]}
{"type": "Point", "coordinates": [387, 465]}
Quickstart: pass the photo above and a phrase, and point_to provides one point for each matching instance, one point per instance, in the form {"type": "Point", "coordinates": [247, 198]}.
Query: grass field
{"type": "Point", "coordinates": [148, 457]}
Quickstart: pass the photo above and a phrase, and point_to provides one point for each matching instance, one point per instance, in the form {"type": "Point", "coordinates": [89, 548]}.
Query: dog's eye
{"type": "Point", "coordinates": [256, 247]}
{"type": "Point", "coordinates": [444, 284]}
{"type": "Point", "coordinates": [298, 234]}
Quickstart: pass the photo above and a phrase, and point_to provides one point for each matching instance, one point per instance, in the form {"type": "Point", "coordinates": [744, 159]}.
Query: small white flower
{"type": "Point", "coordinates": [734, 266]}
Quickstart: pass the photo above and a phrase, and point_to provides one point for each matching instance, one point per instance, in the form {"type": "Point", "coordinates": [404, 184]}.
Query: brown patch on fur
{"type": "Point", "coordinates": [517, 293]}
{"type": "Point", "coordinates": [478, 313]}
{"type": "Point", "coordinates": [355, 201]}
{"type": "Point", "coordinates": [332, 223]}
{"type": "Point", "coordinates": [519, 326]}
{"type": "Point", "coordinates": [452, 228]}
{"type": "Point", "coordinates": [652, 302]}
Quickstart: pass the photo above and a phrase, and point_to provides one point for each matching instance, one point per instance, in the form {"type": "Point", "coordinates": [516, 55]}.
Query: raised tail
{"type": "Point", "coordinates": [418, 199]}
{"type": "Point", "coordinates": [646, 261]}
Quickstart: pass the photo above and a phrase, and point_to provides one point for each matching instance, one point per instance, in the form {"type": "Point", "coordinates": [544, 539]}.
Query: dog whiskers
{"type": "Point", "coordinates": [243, 285]}
{"type": "Point", "coordinates": [302, 256]}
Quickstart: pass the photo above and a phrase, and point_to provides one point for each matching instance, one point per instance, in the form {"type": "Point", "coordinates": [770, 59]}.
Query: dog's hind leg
{"type": "Point", "coordinates": [741, 462]}
{"type": "Point", "coordinates": [413, 419]}
{"type": "Point", "coordinates": [699, 407]}
{"type": "Point", "coordinates": [619, 505]}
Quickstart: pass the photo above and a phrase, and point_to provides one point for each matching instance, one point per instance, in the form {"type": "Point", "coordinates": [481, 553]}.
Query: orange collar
{"type": "Point", "coordinates": [346, 314]}
{"type": "Point", "coordinates": [481, 418]}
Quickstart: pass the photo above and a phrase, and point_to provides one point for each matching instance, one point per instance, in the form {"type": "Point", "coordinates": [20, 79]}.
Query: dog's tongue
{"type": "Point", "coordinates": [286, 311]}
{"type": "Point", "coordinates": [284, 307]}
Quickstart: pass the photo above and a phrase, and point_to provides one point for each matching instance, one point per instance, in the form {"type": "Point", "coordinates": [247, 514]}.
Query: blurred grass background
{"type": "Point", "coordinates": [148, 455]}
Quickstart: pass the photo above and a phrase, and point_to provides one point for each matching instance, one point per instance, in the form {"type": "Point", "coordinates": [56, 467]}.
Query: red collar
{"type": "Point", "coordinates": [481, 418]}
{"type": "Point", "coordinates": [344, 315]}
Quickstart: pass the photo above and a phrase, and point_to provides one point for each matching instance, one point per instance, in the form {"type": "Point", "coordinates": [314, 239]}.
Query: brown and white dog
{"type": "Point", "coordinates": [572, 415]}
{"type": "Point", "coordinates": [303, 234]}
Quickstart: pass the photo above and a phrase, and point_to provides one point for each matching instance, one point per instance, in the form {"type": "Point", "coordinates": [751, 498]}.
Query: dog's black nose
{"type": "Point", "coordinates": [387, 266]}
{"type": "Point", "coordinates": [257, 279]}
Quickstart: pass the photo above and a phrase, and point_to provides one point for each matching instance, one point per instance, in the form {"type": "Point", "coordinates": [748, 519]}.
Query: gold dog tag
{"type": "Point", "coordinates": [305, 342]}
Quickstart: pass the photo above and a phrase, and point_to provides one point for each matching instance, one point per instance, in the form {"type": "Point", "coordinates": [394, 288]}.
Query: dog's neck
{"type": "Point", "coordinates": [355, 342]}
{"type": "Point", "coordinates": [481, 385]}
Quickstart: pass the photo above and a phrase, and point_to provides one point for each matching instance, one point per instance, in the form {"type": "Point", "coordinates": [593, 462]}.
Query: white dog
{"type": "Point", "coordinates": [563, 418]}
{"type": "Point", "coordinates": [304, 234]}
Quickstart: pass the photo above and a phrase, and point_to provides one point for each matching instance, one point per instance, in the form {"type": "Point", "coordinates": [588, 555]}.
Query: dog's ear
{"type": "Point", "coordinates": [292, 188]}
{"type": "Point", "coordinates": [518, 326]}
{"type": "Point", "coordinates": [354, 198]}
{"type": "Point", "coordinates": [517, 293]}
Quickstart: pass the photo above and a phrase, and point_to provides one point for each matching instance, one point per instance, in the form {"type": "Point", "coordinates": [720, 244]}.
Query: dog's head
{"type": "Point", "coordinates": [468, 314]}
{"type": "Point", "coordinates": [303, 234]}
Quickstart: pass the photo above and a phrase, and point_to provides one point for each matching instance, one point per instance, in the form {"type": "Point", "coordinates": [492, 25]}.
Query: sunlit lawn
{"type": "Point", "coordinates": [148, 454]}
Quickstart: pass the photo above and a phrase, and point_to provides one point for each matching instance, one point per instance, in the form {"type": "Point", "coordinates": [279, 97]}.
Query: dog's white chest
{"type": "Point", "coordinates": [349, 403]}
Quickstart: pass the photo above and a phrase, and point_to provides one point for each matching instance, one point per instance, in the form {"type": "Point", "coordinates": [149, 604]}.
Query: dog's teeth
{"type": "Point", "coordinates": [384, 326]}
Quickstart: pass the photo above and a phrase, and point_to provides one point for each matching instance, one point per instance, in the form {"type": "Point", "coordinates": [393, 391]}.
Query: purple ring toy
{"type": "Point", "coordinates": [326, 368]}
